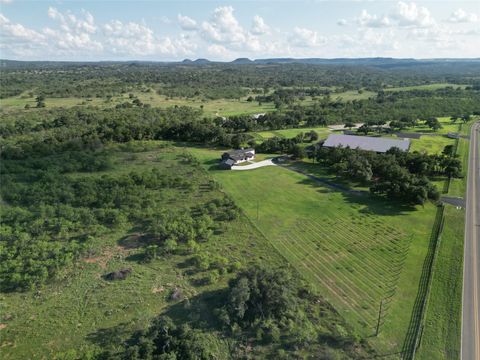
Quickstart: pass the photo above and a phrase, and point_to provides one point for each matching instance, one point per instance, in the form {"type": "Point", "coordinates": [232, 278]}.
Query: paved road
{"type": "Point", "coordinates": [471, 268]}
{"type": "Point", "coordinates": [452, 200]}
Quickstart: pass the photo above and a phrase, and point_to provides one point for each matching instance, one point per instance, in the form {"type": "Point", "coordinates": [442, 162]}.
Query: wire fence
{"type": "Point", "coordinates": [425, 287]}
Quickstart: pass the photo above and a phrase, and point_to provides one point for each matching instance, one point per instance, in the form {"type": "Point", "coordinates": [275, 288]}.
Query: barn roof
{"type": "Point", "coordinates": [377, 144]}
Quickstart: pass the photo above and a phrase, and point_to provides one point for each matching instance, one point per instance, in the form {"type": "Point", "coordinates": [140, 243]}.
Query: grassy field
{"type": "Point", "coordinates": [426, 87]}
{"type": "Point", "coordinates": [357, 250]}
{"type": "Point", "coordinates": [441, 338]}
{"type": "Point", "coordinates": [436, 142]}
{"type": "Point", "coordinates": [344, 96]}
{"type": "Point", "coordinates": [290, 133]}
{"type": "Point", "coordinates": [220, 107]}
{"type": "Point", "coordinates": [459, 186]}
{"type": "Point", "coordinates": [80, 311]}
{"type": "Point", "coordinates": [431, 144]}
{"type": "Point", "coordinates": [447, 126]}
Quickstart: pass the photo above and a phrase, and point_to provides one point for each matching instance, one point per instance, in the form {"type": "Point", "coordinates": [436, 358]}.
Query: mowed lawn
{"type": "Point", "coordinates": [441, 338]}
{"type": "Point", "coordinates": [355, 249]}
{"type": "Point", "coordinates": [431, 144]}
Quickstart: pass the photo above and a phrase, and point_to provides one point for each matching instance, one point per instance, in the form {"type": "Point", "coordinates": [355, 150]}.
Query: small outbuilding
{"type": "Point", "coordinates": [368, 143]}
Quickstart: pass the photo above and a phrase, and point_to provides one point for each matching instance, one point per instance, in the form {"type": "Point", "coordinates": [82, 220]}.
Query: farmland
{"type": "Point", "coordinates": [117, 223]}
{"type": "Point", "coordinates": [356, 250]}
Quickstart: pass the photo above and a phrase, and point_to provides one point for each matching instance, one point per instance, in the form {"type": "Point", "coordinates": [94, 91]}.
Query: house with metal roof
{"type": "Point", "coordinates": [368, 143]}
{"type": "Point", "coordinates": [234, 157]}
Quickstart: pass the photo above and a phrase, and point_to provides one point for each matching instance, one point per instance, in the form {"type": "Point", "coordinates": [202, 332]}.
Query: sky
{"type": "Point", "coordinates": [175, 30]}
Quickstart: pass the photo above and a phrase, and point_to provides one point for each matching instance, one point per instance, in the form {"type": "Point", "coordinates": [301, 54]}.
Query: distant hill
{"type": "Point", "coordinates": [379, 62]}
{"type": "Point", "coordinates": [242, 61]}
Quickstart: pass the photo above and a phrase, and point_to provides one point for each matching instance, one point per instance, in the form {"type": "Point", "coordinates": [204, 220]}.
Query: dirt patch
{"type": "Point", "coordinates": [3, 326]}
{"type": "Point", "coordinates": [157, 290]}
{"type": "Point", "coordinates": [106, 255]}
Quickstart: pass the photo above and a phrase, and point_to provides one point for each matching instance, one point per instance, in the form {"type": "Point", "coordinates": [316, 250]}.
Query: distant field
{"type": "Point", "coordinates": [289, 133]}
{"type": "Point", "coordinates": [356, 250]}
{"type": "Point", "coordinates": [425, 87]}
{"type": "Point", "coordinates": [221, 107]}
{"type": "Point", "coordinates": [343, 96]}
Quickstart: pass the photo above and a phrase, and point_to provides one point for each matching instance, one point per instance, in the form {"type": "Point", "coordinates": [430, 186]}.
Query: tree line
{"type": "Point", "coordinates": [396, 174]}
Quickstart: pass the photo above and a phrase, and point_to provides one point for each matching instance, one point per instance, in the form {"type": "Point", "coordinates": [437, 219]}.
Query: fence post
{"type": "Point", "coordinates": [379, 317]}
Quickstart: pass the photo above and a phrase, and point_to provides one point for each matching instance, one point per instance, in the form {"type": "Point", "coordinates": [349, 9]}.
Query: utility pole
{"type": "Point", "coordinates": [379, 317]}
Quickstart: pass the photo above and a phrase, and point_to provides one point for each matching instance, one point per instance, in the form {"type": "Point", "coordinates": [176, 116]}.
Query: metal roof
{"type": "Point", "coordinates": [376, 144]}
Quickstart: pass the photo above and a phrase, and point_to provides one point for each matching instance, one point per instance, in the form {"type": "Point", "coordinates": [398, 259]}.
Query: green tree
{"type": "Point", "coordinates": [170, 245]}
{"type": "Point", "coordinates": [150, 253]}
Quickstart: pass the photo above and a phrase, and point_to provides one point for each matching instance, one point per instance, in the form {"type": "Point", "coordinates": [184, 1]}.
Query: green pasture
{"type": "Point", "coordinates": [79, 312]}
{"type": "Point", "coordinates": [290, 133]}
{"type": "Point", "coordinates": [430, 144]}
{"type": "Point", "coordinates": [426, 87]}
{"type": "Point", "coordinates": [355, 249]}
{"type": "Point", "coordinates": [441, 337]}
{"type": "Point", "coordinates": [220, 107]}
{"type": "Point", "coordinates": [447, 126]}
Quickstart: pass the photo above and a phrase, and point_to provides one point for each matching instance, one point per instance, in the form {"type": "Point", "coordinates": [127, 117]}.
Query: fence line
{"type": "Point", "coordinates": [425, 301]}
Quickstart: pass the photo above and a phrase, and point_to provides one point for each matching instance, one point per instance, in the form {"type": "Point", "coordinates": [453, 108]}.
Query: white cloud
{"type": "Point", "coordinates": [19, 40]}
{"type": "Point", "coordinates": [303, 37]}
{"type": "Point", "coordinates": [18, 32]}
{"type": "Point", "coordinates": [408, 30]}
{"type": "Point", "coordinates": [368, 42]}
{"type": "Point", "coordinates": [187, 23]}
{"type": "Point", "coordinates": [259, 27]}
{"type": "Point", "coordinates": [223, 27]}
{"type": "Point", "coordinates": [135, 39]}
{"type": "Point", "coordinates": [75, 33]}
{"type": "Point", "coordinates": [368, 20]}
{"type": "Point", "coordinates": [410, 14]}
{"type": "Point", "coordinates": [219, 52]}
{"type": "Point", "coordinates": [70, 23]}
{"type": "Point", "coordinates": [72, 42]}
{"type": "Point", "coordinates": [130, 38]}
{"type": "Point", "coordinates": [461, 16]}
{"type": "Point", "coordinates": [5, 1]}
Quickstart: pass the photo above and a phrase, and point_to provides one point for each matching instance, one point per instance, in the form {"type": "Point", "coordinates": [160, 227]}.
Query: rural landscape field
{"type": "Point", "coordinates": [300, 191]}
